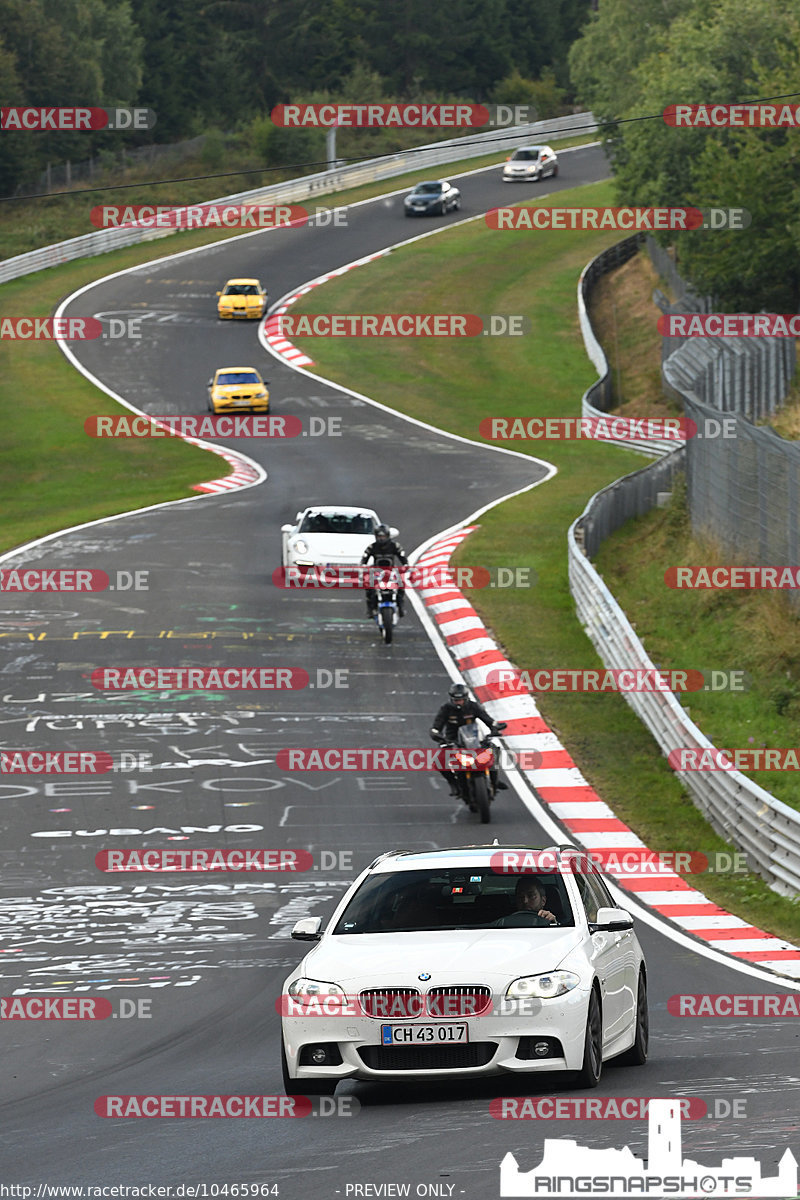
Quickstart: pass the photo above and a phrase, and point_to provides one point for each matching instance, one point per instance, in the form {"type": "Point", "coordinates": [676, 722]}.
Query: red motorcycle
{"type": "Point", "coordinates": [475, 768]}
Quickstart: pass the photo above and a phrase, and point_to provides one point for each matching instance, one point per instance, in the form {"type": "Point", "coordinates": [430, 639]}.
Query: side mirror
{"type": "Point", "coordinates": [219, 293]}
{"type": "Point", "coordinates": [611, 920]}
{"type": "Point", "coordinates": [287, 528]}
{"type": "Point", "coordinates": [210, 383]}
{"type": "Point", "coordinates": [299, 517]}
{"type": "Point", "coordinates": [307, 930]}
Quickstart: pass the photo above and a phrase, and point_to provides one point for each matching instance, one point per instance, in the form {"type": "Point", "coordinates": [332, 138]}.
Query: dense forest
{"type": "Point", "coordinates": [638, 56]}
{"type": "Point", "coordinates": [225, 64]}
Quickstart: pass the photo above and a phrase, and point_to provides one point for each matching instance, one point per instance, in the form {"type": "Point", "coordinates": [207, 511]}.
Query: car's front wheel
{"type": "Point", "coordinates": [555, 170]}
{"type": "Point", "coordinates": [304, 1087]}
{"type": "Point", "coordinates": [637, 1055]}
{"type": "Point", "coordinates": [592, 1067]}
{"type": "Point", "coordinates": [457, 204]}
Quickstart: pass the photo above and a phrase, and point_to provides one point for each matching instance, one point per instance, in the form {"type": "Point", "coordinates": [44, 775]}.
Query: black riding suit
{"type": "Point", "coordinates": [390, 550]}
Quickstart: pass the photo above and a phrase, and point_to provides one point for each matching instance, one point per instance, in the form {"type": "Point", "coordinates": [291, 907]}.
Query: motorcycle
{"type": "Point", "coordinates": [386, 613]}
{"type": "Point", "coordinates": [475, 767]}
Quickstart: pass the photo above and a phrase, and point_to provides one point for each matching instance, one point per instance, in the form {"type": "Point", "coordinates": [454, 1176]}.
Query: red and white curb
{"type": "Point", "coordinates": [243, 475]}
{"type": "Point", "coordinates": [280, 345]}
{"type": "Point", "coordinates": [559, 784]}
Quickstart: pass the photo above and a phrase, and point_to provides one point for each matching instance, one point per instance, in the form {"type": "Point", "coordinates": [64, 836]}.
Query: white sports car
{"type": "Point", "coordinates": [328, 535]}
{"type": "Point", "coordinates": [453, 963]}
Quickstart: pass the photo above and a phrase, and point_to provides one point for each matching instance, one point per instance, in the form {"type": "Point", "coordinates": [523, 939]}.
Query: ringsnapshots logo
{"type": "Point", "coordinates": [568, 1169]}
{"type": "Point", "coordinates": [75, 120]}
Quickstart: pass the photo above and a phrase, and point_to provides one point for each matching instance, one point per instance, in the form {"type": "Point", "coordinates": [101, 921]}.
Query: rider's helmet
{"type": "Point", "coordinates": [459, 694]}
{"type": "Point", "coordinates": [382, 533]}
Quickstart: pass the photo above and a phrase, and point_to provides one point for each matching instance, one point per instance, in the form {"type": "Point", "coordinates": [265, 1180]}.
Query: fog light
{"type": "Point", "coordinates": [319, 1056]}
{"type": "Point", "coordinates": [541, 1049]}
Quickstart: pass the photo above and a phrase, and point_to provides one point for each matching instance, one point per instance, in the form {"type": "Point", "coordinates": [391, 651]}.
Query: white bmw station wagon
{"type": "Point", "coordinates": [466, 962]}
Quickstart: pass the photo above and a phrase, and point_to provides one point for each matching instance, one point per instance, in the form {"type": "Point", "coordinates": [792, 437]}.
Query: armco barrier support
{"type": "Point", "coordinates": [294, 191]}
{"type": "Point", "coordinates": [746, 815]}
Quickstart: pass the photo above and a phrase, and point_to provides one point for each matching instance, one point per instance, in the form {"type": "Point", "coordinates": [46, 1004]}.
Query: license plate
{"type": "Point", "coordinates": [413, 1035]}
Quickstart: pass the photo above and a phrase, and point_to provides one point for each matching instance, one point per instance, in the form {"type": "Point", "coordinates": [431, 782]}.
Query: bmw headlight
{"type": "Point", "coordinates": [314, 987]}
{"type": "Point", "coordinates": [543, 987]}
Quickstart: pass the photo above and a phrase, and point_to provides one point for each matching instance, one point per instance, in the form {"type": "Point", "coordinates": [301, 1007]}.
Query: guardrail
{"type": "Point", "coordinates": [305, 188]}
{"type": "Point", "coordinates": [764, 828]}
{"type": "Point", "coordinates": [596, 400]}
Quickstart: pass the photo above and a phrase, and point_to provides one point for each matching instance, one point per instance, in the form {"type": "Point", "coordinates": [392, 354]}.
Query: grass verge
{"type": "Point", "coordinates": [454, 385]}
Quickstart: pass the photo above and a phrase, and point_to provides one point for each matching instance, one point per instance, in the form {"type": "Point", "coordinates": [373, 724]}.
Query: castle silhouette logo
{"type": "Point", "coordinates": [568, 1169]}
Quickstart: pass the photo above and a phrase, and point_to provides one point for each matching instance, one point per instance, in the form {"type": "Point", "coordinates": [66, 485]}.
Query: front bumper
{"type": "Point", "coordinates": [232, 406]}
{"type": "Point", "coordinates": [240, 313]}
{"type": "Point", "coordinates": [494, 1046]}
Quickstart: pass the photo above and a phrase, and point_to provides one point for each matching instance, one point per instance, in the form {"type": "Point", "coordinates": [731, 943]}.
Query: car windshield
{"type": "Point", "coordinates": [428, 188]}
{"type": "Point", "coordinates": [241, 289]}
{"type": "Point", "coordinates": [447, 898]}
{"type": "Point", "coordinates": [524, 155]}
{"type": "Point", "coordinates": [333, 522]}
{"type": "Point", "coordinates": [228, 378]}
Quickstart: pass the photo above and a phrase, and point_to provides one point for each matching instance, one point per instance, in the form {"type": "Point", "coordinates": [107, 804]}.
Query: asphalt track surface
{"type": "Point", "coordinates": [209, 955]}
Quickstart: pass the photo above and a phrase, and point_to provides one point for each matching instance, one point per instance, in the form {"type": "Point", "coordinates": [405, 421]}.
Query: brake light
{"type": "Point", "coordinates": [484, 757]}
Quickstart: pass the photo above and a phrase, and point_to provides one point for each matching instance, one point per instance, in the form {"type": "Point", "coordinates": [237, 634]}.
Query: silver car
{"type": "Point", "coordinates": [530, 163]}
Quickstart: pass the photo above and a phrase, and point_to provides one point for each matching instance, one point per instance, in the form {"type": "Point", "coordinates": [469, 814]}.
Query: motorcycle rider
{"type": "Point", "coordinates": [384, 546]}
{"type": "Point", "coordinates": [449, 719]}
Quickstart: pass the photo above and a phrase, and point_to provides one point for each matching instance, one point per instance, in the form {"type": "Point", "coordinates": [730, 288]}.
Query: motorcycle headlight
{"type": "Point", "coordinates": [314, 987]}
{"type": "Point", "coordinates": [543, 987]}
